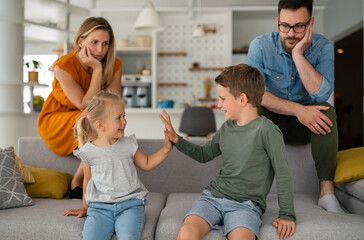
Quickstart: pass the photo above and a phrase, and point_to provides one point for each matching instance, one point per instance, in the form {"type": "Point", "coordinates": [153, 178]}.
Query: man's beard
{"type": "Point", "coordinates": [289, 48]}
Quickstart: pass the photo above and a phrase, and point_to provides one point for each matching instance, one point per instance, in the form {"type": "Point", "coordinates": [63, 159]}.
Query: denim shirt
{"type": "Point", "coordinates": [281, 77]}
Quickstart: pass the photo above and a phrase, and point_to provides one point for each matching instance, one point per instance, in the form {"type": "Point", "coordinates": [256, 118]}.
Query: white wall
{"type": "Point", "coordinates": [249, 24]}
{"type": "Point", "coordinates": [342, 18]}
{"type": "Point", "coordinates": [15, 125]}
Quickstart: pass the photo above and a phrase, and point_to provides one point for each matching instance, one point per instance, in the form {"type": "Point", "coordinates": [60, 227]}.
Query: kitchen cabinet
{"type": "Point", "coordinates": [51, 21]}
{"type": "Point", "coordinates": [137, 80]}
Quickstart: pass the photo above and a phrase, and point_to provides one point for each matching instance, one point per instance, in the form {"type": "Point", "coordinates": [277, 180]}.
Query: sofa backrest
{"type": "Point", "coordinates": [178, 173]}
{"type": "Point", "coordinates": [34, 152]}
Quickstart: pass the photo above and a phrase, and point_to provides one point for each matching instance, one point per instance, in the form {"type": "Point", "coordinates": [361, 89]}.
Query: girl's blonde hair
{"type": "Point", "coordinates": [89, 25]}
{"type": "Point", "coordinates": [98, 108]}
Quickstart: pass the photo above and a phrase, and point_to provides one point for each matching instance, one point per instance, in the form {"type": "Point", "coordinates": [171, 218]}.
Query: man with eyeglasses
{"type": "Point", "coordinates": [298, 70]}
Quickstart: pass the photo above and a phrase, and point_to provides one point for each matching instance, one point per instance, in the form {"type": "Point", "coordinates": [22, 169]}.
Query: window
{"type": "Point", "coordinates": [44, 77]}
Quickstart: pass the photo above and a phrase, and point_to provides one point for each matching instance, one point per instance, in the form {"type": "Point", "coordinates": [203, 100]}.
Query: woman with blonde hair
{"type": "Point", "coordinates": [78, 76]}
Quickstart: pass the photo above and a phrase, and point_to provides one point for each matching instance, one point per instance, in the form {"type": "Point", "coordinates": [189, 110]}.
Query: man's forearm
{"type": "Point", "coordinates": [279, 105]}
{"type": "Point", "coordinates": [311, 79]}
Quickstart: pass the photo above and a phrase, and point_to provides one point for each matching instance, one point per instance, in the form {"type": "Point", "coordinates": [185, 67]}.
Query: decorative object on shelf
{"type": "Point", "coordinates": [122, 43]}
{"type": "Point", "coordinates": [198, 32]}
{"type": "Point", "coordinates": [143, 41]}
{"type": "Point", "coordinates": [207, 84]}
{"type": "Point", "coordinates": [33, 85]}
{"type": "Point", "coordinates": [148, 18]}
{"type": "Point", "coordinates": [33, 75]}
{"type": "Point", "coordinates": [210, 29]}
{"type": "Point", "coordinates": [201, 30]}
{"type": "Point", "coordinates": [195, 65]}
{"type": "Point", "coordinates": [38, 102]}
{"type": "Point", "coordinates": [165, 103]}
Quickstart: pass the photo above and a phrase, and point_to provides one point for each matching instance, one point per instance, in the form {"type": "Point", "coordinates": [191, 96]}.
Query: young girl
{"type": "Point", "coordinates": [114, 197]}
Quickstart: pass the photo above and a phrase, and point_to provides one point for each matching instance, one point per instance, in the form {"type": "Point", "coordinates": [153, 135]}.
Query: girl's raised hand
{"type": "Point", "coordinates": [169, 130]}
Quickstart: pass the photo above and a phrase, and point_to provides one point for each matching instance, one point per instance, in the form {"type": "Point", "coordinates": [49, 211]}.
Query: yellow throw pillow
{"type": "Point", "coordinates": [48, 183]}
{"type": "Point", "coordinates": [26, 175]}
{"type": "Point", "coordinates": [350, 165]}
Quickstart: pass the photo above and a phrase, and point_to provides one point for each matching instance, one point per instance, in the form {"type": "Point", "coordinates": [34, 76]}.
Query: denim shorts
{"type": "Point", "coordinates": [229, 213]}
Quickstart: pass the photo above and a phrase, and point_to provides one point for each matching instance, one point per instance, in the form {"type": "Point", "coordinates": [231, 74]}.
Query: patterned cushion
{"type": "Point", "coordinates": [12, 191]}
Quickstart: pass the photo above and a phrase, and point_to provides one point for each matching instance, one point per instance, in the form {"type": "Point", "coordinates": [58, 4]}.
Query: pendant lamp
{"type": "Point", "coordinates": [199, 30]}
{"type": "Point", "coordinates": [148, 18]}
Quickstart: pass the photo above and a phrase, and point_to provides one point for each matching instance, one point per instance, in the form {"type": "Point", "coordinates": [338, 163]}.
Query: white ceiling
{"type": "Point", "coordinates": [54, 11]}
{"type": "Point", "coordinates": [186, 3]}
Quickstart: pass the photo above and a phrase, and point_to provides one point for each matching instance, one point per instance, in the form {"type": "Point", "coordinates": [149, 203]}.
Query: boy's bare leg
{"type": "Point", "coordinates": [193, 228]}
{"type": "Point", "coordinates": [241, 233]}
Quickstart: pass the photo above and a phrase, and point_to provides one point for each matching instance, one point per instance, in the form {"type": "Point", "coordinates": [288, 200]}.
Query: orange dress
{"type": "Point", "coordinates": [59, 115]}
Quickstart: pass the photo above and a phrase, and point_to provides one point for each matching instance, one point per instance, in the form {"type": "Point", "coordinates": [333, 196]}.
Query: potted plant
{"type": "Point", "coordinates": [33, 75]}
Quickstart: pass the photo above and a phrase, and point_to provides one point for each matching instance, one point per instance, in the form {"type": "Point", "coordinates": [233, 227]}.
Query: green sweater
{"type": "Point", "coordinates": [252, 154]}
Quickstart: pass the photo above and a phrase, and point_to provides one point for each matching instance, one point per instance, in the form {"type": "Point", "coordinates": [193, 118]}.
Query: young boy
{"type": "Point", "coordinates": [253, 151]}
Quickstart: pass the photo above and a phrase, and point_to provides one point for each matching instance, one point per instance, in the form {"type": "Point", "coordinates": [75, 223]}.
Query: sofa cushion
{"type": "Point", "coordinates": [351, 195]}
{"type": "Point", "coordinates": [26, 175]}
{"type": "Point", "coordinates": [350, 165]}
{"type": "Point", "coordinates": [48, 183]}
{"type": "Point", "coordinates": [44, 220]}
{"type": "Point", "coordinates": [12, 191]}
{"type": "Point", "coordinates": [312, 221]}
{"type": "Point", "coordinates": [355, 188]}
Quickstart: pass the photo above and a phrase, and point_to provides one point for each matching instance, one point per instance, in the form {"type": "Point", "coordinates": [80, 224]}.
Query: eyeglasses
{"type": "Point", "coordinates": [298, 28]}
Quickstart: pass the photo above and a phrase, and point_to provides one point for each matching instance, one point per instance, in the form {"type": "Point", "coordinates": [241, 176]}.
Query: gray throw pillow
{"type": "Point", "coordinates": [12, 190]}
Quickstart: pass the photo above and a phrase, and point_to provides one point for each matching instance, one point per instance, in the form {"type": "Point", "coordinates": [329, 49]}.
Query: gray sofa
{"type": "Point", "coordinates": [173, 187]}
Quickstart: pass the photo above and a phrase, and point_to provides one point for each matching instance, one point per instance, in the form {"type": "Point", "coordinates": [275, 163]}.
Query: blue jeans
{"type": "Point", "coordinates": [125, 218]}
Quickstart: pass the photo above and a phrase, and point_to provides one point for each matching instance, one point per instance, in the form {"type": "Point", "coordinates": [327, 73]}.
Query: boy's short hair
{"type": "Point", "coordinates": [243, 78]}
{"type": "Point", "coordinates": [295, 4]}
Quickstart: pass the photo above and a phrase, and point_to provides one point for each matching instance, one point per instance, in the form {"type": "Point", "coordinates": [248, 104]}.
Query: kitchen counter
{"type": "Point", "coordinates": [145, 122]}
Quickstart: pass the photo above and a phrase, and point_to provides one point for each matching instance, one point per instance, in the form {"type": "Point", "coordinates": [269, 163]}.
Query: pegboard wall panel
{"type": "Point", "coordinates": [211, 50]}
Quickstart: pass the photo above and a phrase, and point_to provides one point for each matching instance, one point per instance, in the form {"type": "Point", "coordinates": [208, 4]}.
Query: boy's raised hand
{"type": "Point", "coordinates": [285, 228]}
{"type": "Point", "coordinates": [167, 141]}
{"type": "Point", "coordinates": [169, 130]}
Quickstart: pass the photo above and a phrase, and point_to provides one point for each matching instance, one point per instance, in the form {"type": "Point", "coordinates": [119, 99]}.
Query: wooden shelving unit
{"type": "Point", "coordinates": [206, 69]}
{"type": "Point", "coordinates": [172, 54]}
{"type": "Point", "coordinates": [134, 49]}
{"type": "Point", "coordinates": [207, 99]}
{"type": "Point", "coordinates": [167, 84]}
{"type": "Point", "coordinates": [240, 50]}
